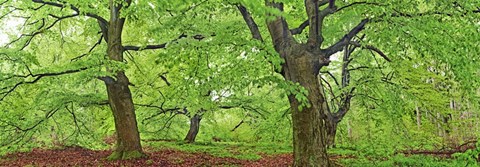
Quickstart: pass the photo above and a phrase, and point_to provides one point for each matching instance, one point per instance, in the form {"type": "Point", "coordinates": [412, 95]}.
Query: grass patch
{"type": "Point", "coordinates": [244, 151]}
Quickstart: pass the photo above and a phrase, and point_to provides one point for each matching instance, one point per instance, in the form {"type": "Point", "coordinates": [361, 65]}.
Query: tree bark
{"type": "Point", "coordinates": [309, 128]}
{"type": "Point", "coordinates": [119, 95]}
{"type": "Point", "coordinates": [194, 128]}
{"type": "Point", "coordinates": [331, 133]}
{"type": "Point", "coordinates": [302, 63]}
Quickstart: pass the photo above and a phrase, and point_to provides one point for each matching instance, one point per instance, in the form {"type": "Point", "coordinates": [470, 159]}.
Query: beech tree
{"type": "Point", "coordinates": [303, 59]}
{"type": "Point", "coordinates": [303, 52]}
{"type": "Point", "coordinates": [44, 17]}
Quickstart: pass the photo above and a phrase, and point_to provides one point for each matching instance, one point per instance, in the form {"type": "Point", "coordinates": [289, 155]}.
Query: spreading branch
{"type": "Point", "coordinates": [44, 26]}
{"type": "Point", "coordinates": [306, 23]}
{"type": "Point", "coordinates": [372, 48]}
{"type": "Point", "coordinates": [346, 39]}
{"type": "Point", "coordinates": [148, 47]}
{"type": "Point", "coordinates": [163, 45]}
{"type": "Point", "coordinates": [95, 16]}
{"type": "Point", "coordinates": [252, 25]}
{"type": "Point", "coordinates": [89, 51]}
{"type": "Point", "coordinates": [39, 30]}
{"type": "Point", "coordinates": [331, 75]}
{"type": "Point", "coordinates": [48, 115]}
{"type": "Point", "coordinates": [360, 3]}
{"type": "Point", "coordinates": [398, 13]}
{"type": "Point", "coordinates": [5, 91]}
{"type": "Point", "coordinates": [300, 28]}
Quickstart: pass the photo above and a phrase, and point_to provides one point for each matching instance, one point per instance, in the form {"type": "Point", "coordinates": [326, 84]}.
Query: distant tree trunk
{"type": "Point", "coordinates": [419, 117]}
{"type": "Point", "coordinates": [439, 121]}
{"type": "Point", "coordinates": [119, 95]}
{"type": "Point", "coordinates": [194, 128]}
{"type": "Point", "coordinates": [349, 130]}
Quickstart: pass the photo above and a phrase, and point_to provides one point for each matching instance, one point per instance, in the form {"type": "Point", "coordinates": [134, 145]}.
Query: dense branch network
{"type": "Point", "coordinates": [5, 91]}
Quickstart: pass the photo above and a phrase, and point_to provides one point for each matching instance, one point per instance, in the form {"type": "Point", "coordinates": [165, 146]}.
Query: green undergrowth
{"type": "Point", "coordinates": [352, 157]}
{"type": "Point", "coordinates": [345, 156]}
{"type": "Point", "coordinates": [401, 160]}
{"type": "Point", "coordinates": [244, 151]}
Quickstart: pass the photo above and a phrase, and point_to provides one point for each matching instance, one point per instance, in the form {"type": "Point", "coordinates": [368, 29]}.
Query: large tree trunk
{"type": "Point", "coordinates": [302, 64]}
{"type": "Point", "coordinates": [194, 128]}
{"type": "Point", "coordinates": [119, 95]}
{"type": "Point", "coordinates": [309, 128]}
{"type": "Point", "coordinates": [128, 138]}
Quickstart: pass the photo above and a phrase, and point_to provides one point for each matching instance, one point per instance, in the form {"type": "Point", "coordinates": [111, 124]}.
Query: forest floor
{"type": "Point", "coordinates": [168, 153]}
{"type": "Point", "coordinates": [76, 156]}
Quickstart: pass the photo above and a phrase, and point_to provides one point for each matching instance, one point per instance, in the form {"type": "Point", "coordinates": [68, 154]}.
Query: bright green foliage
{"type": "Point", "coordinates": [210, 63]}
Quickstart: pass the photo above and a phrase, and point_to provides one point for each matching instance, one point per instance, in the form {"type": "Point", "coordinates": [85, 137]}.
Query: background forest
{"type": "Point", "coordinates": [396, 83]}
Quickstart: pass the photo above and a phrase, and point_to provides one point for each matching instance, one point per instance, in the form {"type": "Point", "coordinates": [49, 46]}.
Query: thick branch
{"type": "Point", "coordinates": [252, 25]}
{"type": "Point", "coordinates": [315, 18]}
{"type": "Point", "coordinates": [331, 3]}
{"type": "Point", "coordinates": [148, 47]}
{"type": "Point", "coordinates": [99, 18]}
{"type": "Point", "coordinates": [314, 34]}
{"type": "Point", "coordinates": [345, 105]}
{"type": "Point", "coordinates": [346, 39]}
{"type": "Point", "coordinates": [278, 29]}
{"type": "Point", "coordinates": [306, 23]}
{"type": "Point", "coordinates": [300, 28]}
{"type": "Point", "coordinates": [345, 71]}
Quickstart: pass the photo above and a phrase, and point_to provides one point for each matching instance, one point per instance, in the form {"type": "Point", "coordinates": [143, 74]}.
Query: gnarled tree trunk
{"type": "Point", "coordinates": [128, 138]}
{"type": "Point", "coordinates": [309, 135]}
{"type": "Point", "coordinates": [302, 64]}
{"type": "Point", "coordinates": [194, 128]}
{"type": "Point", "coordinates": [119, 95]}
